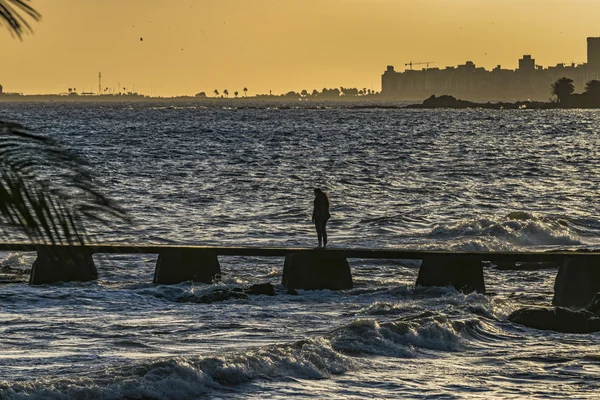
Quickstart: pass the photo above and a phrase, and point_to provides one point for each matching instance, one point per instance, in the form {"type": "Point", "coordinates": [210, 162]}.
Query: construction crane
{"type": "Point", "coordinates": [411, 63]}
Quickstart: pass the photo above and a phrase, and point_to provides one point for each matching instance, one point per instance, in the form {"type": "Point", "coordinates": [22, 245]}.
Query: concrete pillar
{"type": "Point", "coordinates": [317, 270]}
{"type": "Point", "coordinates": [464, 275]}
{"type": "Point", "coordinates": [62, 264]}
{"type": "Point", "coordinates": [577, 281]}
{"type": "Point", "coordinates": [182, 265]}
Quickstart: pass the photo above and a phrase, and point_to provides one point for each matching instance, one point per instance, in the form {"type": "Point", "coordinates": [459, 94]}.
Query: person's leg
{"type": "Point", "coordinates": [319, 233]}
{"type": "Point", "coordinates": [324, 231]}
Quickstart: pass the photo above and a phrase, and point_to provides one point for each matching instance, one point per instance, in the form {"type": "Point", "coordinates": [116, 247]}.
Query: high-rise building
{"type": "Point", "coordinates": [593, 52]}
{"type": "Point", "coordinates": [526, 64]}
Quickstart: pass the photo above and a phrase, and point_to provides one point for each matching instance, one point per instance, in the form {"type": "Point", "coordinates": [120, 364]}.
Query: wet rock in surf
{"type": "Point", "coordinates": [560, 319]}
{"type": "Point", "coordinates": [577, 281]}
{"type": "Point", "coordinates": [215, 296]}
{"type": "Point", "coordinates": [13, 275]}
{"type": "Point", "coordinates": [230, 294]}
{"type": "Point", "coordinates": [261, 288]}
{"type": "Point", "coordinates": [464, 275]}
{"type": "Point", "coordinates": [526, 266]}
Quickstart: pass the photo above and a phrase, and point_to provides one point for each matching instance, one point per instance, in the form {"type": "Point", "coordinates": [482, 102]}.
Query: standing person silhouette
{"type": "Point", "coordinates": [321, 215]}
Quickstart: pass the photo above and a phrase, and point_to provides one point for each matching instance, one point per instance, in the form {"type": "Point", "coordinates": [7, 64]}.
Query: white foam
{"type": "Point", "coordinates": [511, 232]}
{"type": "Point", "coordinates": [188, 378]}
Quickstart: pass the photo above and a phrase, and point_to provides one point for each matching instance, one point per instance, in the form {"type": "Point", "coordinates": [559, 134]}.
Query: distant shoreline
{"type": "Point", "coordinates": [142, 98]}
{"type": "Point", "coordinates": [360, 102]}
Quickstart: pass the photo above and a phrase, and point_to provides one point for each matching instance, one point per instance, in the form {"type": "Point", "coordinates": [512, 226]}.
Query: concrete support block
{"type": "Point", "coordinates": [464, 275]}
{"type": "Point", "coordinates": [577, 281]}
{"type": "Point", "coordinates": [182, 265]}
{"type": "Point", "coordinates": [62, 264]}
{"type": "Point", "coordinates": [316, 271]}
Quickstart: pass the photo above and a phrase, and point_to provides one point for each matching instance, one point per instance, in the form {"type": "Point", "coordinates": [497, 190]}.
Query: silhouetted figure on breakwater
{"type": "Point", "coordinates": [321, 215]}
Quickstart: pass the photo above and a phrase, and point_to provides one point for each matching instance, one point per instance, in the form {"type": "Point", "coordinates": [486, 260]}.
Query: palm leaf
{"type": "Point", "coordinates": [46, 191]}
{"type": "Point", "coordinates": [13, 13]}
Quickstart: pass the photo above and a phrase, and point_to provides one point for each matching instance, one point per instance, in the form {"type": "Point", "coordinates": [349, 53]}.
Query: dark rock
{"type": "Point", "coordinates": [560, 319]}
{"type": "Point", "coordinates": [526, 266]}
{"type": "Point", "coordinates": [262, 288]}
{"type": "Point", "coordinates": [316, 271]}
{"type": "Point", "coordinates": [577, 281]}
{"type": "Point", "coordinates": [292, 292]}
{"type": "Point", "coordinates": [446, 101]}
{"type": "Point", "coordinates": [464, 275]}
{"type": "Point", "coordinates": [182, 265]}
{"type": "Point", "coordinates": [62, 264]}
{"type": "Point", "coordinates": [216, 296]}
{"type": "Point", "coordinates": [13, 275]}
{"type": "Point", "coordinates": [505, 266]}
{"type": "Point", "coordinates": [229, 294]}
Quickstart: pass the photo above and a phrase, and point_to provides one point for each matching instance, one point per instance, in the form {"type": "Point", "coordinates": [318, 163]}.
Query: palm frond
{"type": "Point", "coordinates": [13, 13]}
{"type": "Point", "coordinates": [47, 192]}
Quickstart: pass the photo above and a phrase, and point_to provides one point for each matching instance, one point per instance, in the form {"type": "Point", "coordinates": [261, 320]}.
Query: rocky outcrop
{"type": "Point", "coordinates": [218, 295]}
{"type": "Point", "coordinates": [262, 288]}
{"type": "Point", "coordinates": [560, 319]}
{"type": "Point", "coordinates": [215, 296]}
{"type": "Point", "coordinates": [446, 101]}
{"type": "Point", "coordinates": [526, 266]}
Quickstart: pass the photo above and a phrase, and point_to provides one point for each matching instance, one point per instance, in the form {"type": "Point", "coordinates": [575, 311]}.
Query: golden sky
{"type": "Point", "coordinates": [201, 45]}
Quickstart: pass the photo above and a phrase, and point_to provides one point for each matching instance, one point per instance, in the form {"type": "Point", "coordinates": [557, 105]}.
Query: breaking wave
{"type": "Point", "coordinates": [335, 353]}
{"type": "Point", "coordinates": [515, 230]}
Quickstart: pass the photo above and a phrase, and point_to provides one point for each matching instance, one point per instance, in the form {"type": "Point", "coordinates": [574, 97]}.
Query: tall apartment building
{"type": "Point", "coordinates": [593, 52]}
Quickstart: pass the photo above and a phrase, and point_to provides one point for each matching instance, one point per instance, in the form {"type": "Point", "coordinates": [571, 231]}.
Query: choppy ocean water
{"type": "Point", "coordinates": [433, 179]}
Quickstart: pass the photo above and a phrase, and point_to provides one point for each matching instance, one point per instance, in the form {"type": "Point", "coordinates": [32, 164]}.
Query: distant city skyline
{"type": "Point", "coordinates": [278, 46]}
{"type": "Point", "coordinates": [469, 81]}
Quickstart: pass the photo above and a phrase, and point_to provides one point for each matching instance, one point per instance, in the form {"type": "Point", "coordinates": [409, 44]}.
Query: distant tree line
{"type": "Point", "coordinates": [330, 93]}
{"type": "Point", "coordinates": [225, 93]}
{"type": "Point", "coordinates": [304, 94]}
{"type": "Point", "coordinates": [563, 92]}
{"type": "Point", "coordinates": [325, 93]}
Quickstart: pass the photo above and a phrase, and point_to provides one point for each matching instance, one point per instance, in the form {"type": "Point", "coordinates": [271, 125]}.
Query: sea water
{"type": "Point", "coordinates": [217, 174]}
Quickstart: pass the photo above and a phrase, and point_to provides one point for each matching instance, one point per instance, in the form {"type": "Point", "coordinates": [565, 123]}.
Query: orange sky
{"type": "Point", "coordinates": [201, 45]}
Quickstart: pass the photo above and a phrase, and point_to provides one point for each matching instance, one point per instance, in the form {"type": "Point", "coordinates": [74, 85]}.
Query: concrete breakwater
{"type": "Point", "coordinates": [578, 278]}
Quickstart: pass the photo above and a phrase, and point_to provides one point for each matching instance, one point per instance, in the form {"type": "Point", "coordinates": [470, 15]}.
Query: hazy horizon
{"type": "Point", "coordinates": [280, 45]}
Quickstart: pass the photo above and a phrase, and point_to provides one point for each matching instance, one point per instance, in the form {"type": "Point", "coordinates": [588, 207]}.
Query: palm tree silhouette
{"type": "Point", "coordinates": [235, 94]}
{"type": "Point", "coordinates": [562, 89]}
{"type": "Point", "coordinates": [592, 88]}
{"type": "Point", "coordinates": [216, 92]}
{"type": "Point", "coordinates": [46, 192]}
{"type": "Point", "coordinates": [245, 92]}
{"type": "Point", "coordinates": [226, 93]}
{"type": "Point", "coordinates": [10, 12]}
